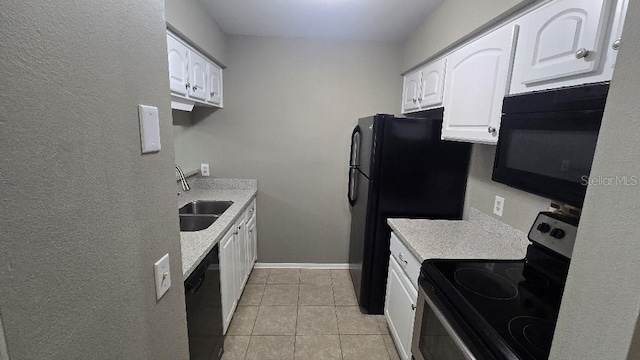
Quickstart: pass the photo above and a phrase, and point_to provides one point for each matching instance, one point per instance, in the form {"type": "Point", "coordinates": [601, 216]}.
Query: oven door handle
{"type": "Point", "coordinates": [447, 326]}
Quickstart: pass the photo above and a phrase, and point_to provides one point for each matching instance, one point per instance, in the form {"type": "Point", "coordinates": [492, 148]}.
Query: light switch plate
{"type": "Point", "coordinates": [498, 206]}
{"type": "Point", "coordinates": [204, 169]}
{"type": "Point", "coordinates": [149, 128]}
{"type": "Point", "coordinates": [163, 276]}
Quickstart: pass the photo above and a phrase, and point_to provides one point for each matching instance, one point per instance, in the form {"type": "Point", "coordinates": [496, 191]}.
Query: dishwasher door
{"type": "Point", "coordinates": [204, 309]}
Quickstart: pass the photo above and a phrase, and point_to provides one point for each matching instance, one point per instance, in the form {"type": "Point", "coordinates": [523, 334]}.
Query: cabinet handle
{"type": "Point", "coordinates": [582, 53]}
{"type": "Point", "coordinates": [187, 85]}
{"type": "Point", "coordinates": [491, 130]}
{"type": "Point", "coordinates": [413, 307]}
{"type": "Point", "coordinates": [616, 44]}
{"type": "Point", "coordinates": [402, 259]}
{"type": "Point", "coordinates": [235, 233]}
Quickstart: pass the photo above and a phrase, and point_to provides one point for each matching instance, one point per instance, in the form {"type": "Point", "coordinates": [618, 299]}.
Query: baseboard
{"type": "Point", "coordinates": [301, 266]}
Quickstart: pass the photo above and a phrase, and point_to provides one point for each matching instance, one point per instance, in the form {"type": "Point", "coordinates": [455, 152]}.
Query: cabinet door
{"type": "Point", "coordinates": [178, 59]}
{"type": "Point", "coordinates": [477, 80]}
{"type": "Point", "coordinates": [215, 84]}
{"type": "Point", "coordinates": [198, 76]}
{"type": "Point", "coordinates": [243, 259]}
{"type": "Point", "coordinates": [431, 91]}
{"type": "Point", "coordinates": [410, 92]}
{"type": "Point", "coordinates": [252, 235]}
{"type": "Point", "coordinates": [399, 308]}
{"type": "Point", "coordinates": [228, 278]}
{"type": "Point", "coordinates": [561, 39]}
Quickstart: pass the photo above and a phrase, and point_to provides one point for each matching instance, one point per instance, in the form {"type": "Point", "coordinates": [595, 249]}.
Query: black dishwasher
{"type": "Point", "coordinates": [204, 309]}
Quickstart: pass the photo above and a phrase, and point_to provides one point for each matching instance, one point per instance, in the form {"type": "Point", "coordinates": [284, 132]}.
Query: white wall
{"type": "Point", "coordinates": [84, 215]}
{"type": "Point", "coordinates": [602, 296]}
{"type": "Point", "coordinates": [290, 107]}
{"type": "Point", "coordinates": [190, 19]}
{"type": "Point", "coordinates": [452, 21]}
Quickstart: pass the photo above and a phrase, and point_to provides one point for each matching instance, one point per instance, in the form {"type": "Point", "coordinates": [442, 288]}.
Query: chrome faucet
{"type": "Point", "coordinates": [183, 181]}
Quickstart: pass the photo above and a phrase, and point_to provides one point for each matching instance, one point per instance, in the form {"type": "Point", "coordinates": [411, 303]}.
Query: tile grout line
{"type": "Point", "coordinates": [335, 308]}
{"type": "Point", "coordinates": [295, 329]}
{"type": "Point", "coordinates": [246, 353]}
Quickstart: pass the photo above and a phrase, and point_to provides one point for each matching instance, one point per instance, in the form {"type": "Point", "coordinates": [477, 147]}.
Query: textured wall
{"type": "Point", "coordinates": [191, 20]}
{"type": "Point", "coordinates": [602, 296]}
{"type": "Point", "coordinates": [290, 107]}
{"type": "Point", "coordinates": [84, 214]}
{"type": "Point", "coordinates": [453, 20]}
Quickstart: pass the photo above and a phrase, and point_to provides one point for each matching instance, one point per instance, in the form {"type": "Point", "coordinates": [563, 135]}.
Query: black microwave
{"type": "Point", "coordinates": [547, 141]}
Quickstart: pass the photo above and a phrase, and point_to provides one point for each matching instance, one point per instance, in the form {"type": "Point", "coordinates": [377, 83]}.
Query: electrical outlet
{"type": "Point", "coordinates": [163, 276]}
{"type": "Point", "coordinates": [498, 205]}
{"type": "Point", "coordinates": [204, 169]}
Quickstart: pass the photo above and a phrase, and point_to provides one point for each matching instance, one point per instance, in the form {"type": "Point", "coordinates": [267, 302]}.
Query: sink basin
{"type": "Point", "coordinates": [196, 222]}
{"type": "Point", "coordinates": [205, 207]}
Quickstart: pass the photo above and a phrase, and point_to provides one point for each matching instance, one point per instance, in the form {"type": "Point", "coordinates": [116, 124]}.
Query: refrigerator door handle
{"type": "Point", "coordinates": [353, 166]}
{"type": "Point", "coordinates": [354, 155]}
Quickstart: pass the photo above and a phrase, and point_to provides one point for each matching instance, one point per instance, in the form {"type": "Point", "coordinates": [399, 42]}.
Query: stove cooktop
{"type": "Point", "coordinates": [511, 305]}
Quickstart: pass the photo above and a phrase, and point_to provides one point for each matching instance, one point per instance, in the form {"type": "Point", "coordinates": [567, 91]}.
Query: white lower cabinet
{"type": "Point", "coordinates": [400, 304]}
{"type": "Point", "coordinates": [237, 257]}
{"type": "Point", "coordinates": [228, 283]}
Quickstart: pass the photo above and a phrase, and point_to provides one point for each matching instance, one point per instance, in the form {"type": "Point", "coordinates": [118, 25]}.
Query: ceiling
{"type": "Point", "coordinates": [371, 20]}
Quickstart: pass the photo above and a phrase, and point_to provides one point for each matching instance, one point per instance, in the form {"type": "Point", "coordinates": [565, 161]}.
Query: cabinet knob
{"type": "Point", "coordinates": [582, 53]}
{"type": "Point", "coordinates": [419, 99]}
{"type": "Point", "coordinates": [187, 85]}
{"type": "Point", "coordinates": [413, 307]}
{"type": "Point", "coordinates": [414, 101]}
{"type": "Point", "coordinates": [213, 93]}
{"type": "Point", "coordinates": [616, 44]}
{"type": "Point", "coordinates": [235, 233]}
{"type": "Point", "coordinates": [195, 87]}
{"type": "Point", "coordinates": [491, 129]}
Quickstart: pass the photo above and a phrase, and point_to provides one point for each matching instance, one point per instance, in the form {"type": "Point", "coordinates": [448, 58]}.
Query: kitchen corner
{"type": "Point", "coordinates": [196, 245]}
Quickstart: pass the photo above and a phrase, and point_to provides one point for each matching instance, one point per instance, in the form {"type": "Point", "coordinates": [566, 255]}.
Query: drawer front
{"type": "Point", "coordinates": [405, 259]}
{"type": "Point", "coordinates": [251, 210]}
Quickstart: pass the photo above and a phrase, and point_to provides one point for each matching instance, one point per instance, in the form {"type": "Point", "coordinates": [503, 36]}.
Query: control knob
{"type": "Point", "coordinates": [557, 233]}
{"type": "Point", "coordinates": [544, 228]}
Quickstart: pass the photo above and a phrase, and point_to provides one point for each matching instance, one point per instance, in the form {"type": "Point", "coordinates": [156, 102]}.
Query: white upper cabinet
{"type": "Point", "coordinates": [193, 78]}
{"type": "Point", "coordinates": [431, 91]}
{"type": "Point", "coordinates": [178, 63]}
{"type": "Point", "coordinates": [477, 80]}
{"type": "Point", "coordinates": [565, 43]}
{"type": "Point", "coordinates": [198, 76]}
{"type": "Point", "coordinates": [215, 84]}
{"type": "Point", "coordinates": [424, 88]}
{"type": "Point", "coordinates": [410, 93]}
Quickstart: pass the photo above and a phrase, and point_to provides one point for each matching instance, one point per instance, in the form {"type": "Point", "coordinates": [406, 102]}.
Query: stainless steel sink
{"type": "Point", "coordinates": [205, 207]}
{"type": "Point", "coordinates": [196, 222]}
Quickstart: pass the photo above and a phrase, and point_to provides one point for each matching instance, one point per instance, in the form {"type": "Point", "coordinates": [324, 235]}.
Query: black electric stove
{"type": "Point", "coordinates": [496, 309]}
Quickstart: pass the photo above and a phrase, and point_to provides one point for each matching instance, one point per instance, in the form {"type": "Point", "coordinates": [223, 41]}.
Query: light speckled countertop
{"type": "Point", "coordinates": [197, 244]}
{"type": "Point", "coordinates": [479, 237]}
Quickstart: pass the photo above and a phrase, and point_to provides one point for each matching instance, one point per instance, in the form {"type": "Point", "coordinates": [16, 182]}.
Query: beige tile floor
{"type": "Point", "coordinates": [304, 314]}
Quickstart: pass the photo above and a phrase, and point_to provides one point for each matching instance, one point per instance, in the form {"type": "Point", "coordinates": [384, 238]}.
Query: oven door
{"type": "Point", "coordinates": [435, 337]}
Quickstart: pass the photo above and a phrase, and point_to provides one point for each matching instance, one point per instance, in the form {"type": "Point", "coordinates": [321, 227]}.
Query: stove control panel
{"type": "Point", "coordinates": [555, 232]}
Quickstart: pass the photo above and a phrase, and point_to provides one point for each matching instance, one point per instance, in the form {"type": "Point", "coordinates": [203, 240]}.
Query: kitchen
{"type": "Point", "coordinates": [285, 100]}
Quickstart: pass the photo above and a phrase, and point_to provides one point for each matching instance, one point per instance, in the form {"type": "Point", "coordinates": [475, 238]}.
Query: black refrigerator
{"type": "Point", "coordinates": [398, 167]}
